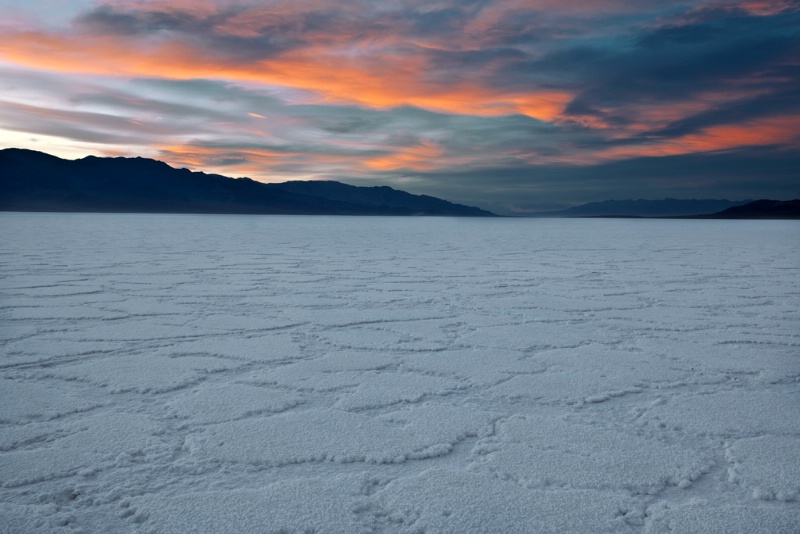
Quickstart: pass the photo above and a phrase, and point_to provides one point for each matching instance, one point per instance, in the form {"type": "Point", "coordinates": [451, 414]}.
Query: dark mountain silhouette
{"type": "Point", "coordinates": [378, 197]}
{"type": "Point", "coordinates": [34, 181]}
{"type": "Point", "coordinates": [669, 207]}
{"type": "Point", "coordinates": [761, 209]}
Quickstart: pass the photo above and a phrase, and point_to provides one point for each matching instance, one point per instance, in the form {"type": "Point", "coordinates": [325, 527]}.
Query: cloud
{"type": "Point", "coordinates": [446, 94]}
{"type": "Point", "coordinates": [411, 54]}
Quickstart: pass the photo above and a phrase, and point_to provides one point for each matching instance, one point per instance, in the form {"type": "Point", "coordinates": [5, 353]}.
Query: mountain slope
{"type": "Point", "coordinates": [761, 209]}
{"type": "Point", "coordinates": [669, 207]}
{"type": "Point", "coordinates": [34, 181]}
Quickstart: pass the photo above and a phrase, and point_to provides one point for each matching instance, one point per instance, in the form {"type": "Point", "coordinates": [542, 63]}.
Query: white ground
{"type": "Point", "coordinates": [173, 374]}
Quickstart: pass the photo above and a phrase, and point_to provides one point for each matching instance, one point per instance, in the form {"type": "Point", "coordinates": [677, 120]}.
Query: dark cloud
{"type": "Point", "coordinates": [107, 19]}
{"type": "Point", "coordinates": [684, 35]}
{"type": "Point", "coordinates": [213, 31]}
{"type": "Point", "coordinates": [753, 55]}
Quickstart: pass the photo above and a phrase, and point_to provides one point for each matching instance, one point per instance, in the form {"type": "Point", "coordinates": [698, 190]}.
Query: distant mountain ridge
{"type": "Point", "coordinates": [761, 209]}
{"type": "Point", "coordinates": [668, 207]}
{"type": "Point", "coordinates": [671, 208]}
{"type": "Point", "coordinates": [35, 181]}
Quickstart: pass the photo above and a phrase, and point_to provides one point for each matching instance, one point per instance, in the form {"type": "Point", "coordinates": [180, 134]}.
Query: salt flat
{"type": "Point", "coordinates": [319, 374]}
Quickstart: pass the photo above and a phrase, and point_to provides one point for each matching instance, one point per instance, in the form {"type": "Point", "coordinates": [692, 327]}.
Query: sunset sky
{"type": "Point", "coordinates": [511, 105]}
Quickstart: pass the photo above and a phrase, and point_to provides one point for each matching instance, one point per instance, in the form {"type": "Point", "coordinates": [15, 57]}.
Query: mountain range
{"type": "Point", "coordinates": [668, 207]}
{"type": "Point", "coordinates": [35, 181]}
{"type": "Point", "coordinates": [673, 208]}
{"type": "Point", "coordinates": [761, 209]}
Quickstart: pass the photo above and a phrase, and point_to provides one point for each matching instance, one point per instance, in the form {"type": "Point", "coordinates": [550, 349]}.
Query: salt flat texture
{"type": "Point", "coordinates": [178, 373]}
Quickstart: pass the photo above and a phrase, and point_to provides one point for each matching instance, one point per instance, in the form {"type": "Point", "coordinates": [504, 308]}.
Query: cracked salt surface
{"type": "Point", "coordinates": [293, 374]}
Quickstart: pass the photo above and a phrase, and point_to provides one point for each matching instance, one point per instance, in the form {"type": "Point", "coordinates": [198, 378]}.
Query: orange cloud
{"type": "Point", "coordinates": [649, 116]}
{"type": "Point", "coordinates": [422, 157]}
{"type": "Point", "coordinates": [377, 78]}
{"type": "Point", "coordinates": [374, 64]}
{"type": "Point", "coordinates": [783, 131]}
{"type": "Point", "coordinates": [768, 7]}
{"type": "Point", "coordinates": [779, 131]}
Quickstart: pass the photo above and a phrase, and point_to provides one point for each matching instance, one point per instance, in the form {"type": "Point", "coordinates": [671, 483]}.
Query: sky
{"type": "Point", "coordinates": [516, 106]}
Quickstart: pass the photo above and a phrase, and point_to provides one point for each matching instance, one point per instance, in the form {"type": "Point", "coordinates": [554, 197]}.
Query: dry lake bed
{"type": "Point", "coordinates": [179, 373]}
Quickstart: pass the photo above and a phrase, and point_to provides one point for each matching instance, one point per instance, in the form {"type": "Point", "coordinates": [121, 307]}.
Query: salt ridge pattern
{"type": "Point", "coordinates": [417, 375]}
